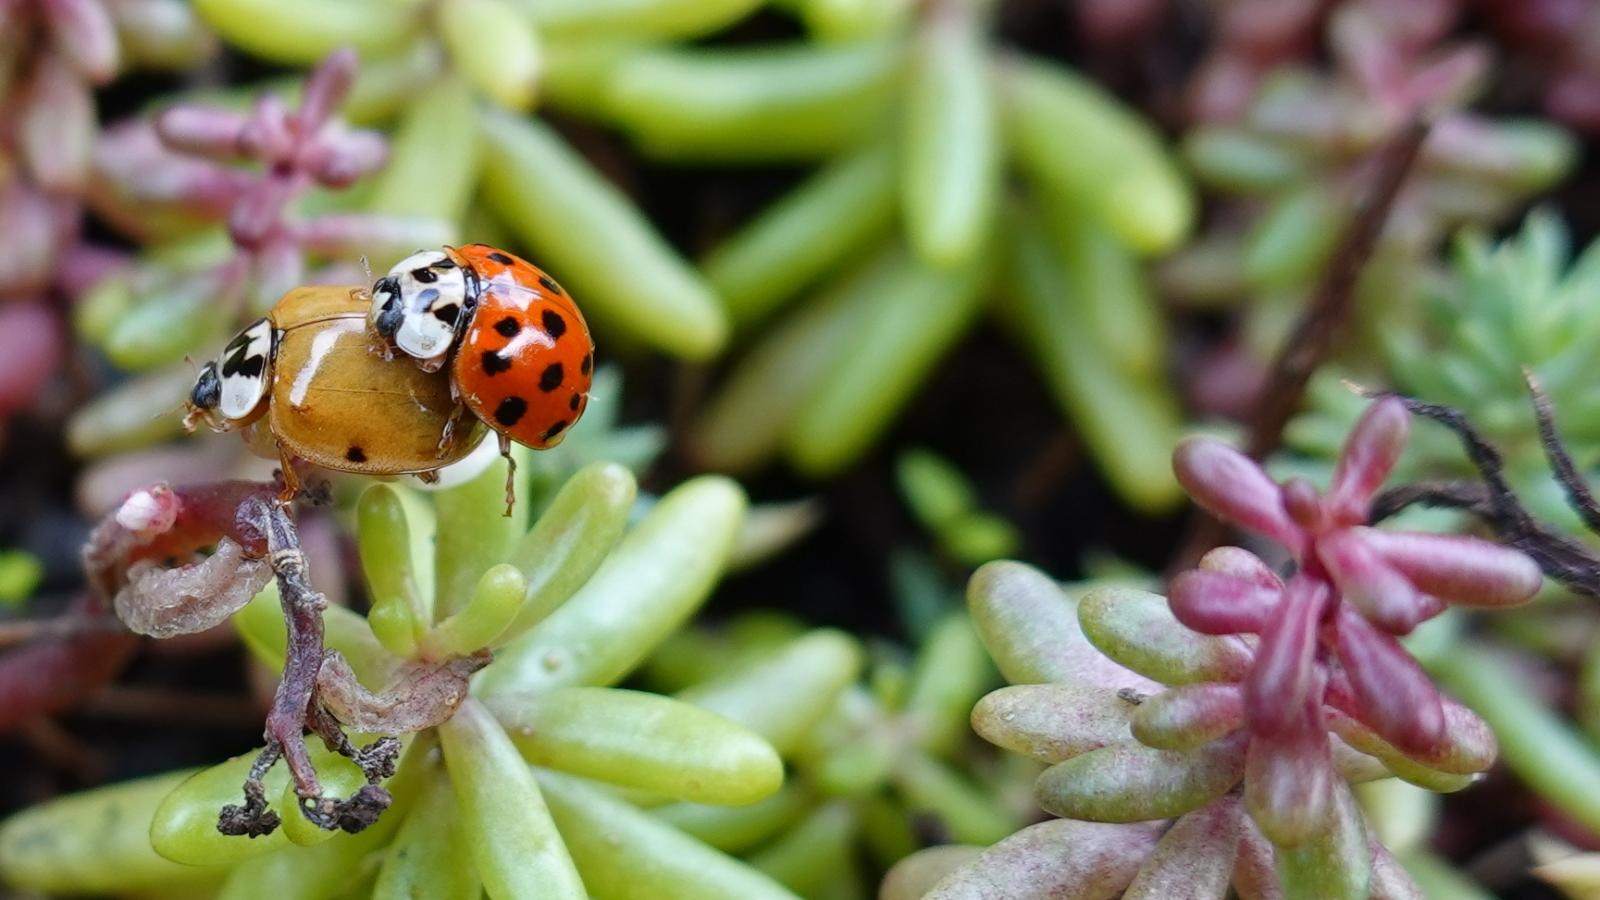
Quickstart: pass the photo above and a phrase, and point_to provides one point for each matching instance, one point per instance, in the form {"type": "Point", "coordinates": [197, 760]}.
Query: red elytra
{"type": "Point", "coordinates": [525, 362]}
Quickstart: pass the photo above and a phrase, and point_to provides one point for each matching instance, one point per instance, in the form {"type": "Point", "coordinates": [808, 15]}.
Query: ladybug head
{"type": "Point", "coordinates": [418, 304]}
{"type": "Point", "coordinates": [204, 397]}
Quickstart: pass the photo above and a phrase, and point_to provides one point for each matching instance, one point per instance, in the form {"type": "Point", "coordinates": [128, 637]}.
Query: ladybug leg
{"type": "Point", "coordinates": [447, 439]}
{"type": "Point", "coordinates": [291, 478]}
{"type": "Point", "coordinates": [511, 474]}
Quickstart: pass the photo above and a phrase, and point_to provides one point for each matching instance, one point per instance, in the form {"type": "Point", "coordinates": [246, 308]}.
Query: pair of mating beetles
{"type": "Point", "coordinates": [317, 379]}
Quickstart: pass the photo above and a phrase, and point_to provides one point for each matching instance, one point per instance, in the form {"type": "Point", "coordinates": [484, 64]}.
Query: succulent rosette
{"type": "Point", "coordinates": [1243, 706]}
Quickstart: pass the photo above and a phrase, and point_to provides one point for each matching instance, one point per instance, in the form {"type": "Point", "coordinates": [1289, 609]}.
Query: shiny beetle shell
{"type": "Point", "coordinates": [331, 401]}
{"type": "Point", "coordinates": [525, 361]}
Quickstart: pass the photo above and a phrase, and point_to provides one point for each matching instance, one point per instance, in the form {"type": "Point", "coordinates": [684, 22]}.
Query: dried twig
{"type": "Point", "coordinates": [1313, 335]}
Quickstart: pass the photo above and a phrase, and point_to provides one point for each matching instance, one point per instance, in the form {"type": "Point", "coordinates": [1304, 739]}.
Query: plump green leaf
{"type": "Point", "coordinates": [735, 829]}
{"type": "Point", "coordinates": [1053, 722]}
{"type": "Point", "coordinates": [919, 315]}
{"type": "Point", "coordinates": [495, 603]}
{"type": "Point", "coordinates": [433, 156]}
{"type": "Point", "coordinates": [751, 104]}
{"type": "Point", "coordinates": [1134, 783]}
{"type": "Point", "coordinates": [643, 741]}
{"type": "Point", "coordinates": [302, 32]}
{"type": "Point", "coordinates": [636, 19]}
{"type": "Point", "coordinates": [846, 206]}
{"type": "Point", "coordinates": [570, 540]}
{"type": "Point", "coordinates": [783, 695]}
{"type": "Point", "coordinates": [651, 583]}
{"type": "Point", "coordinates": [1030, 627]}
{"type": "Point", "coordinates": [1135, 628]}
{"type": "Point", "coordinates": [1077, 142]}
{"type": "Point", "coordinates": [626, 854]}
{"type": "Point", "coordinates": [950, 140]}
{"type": "Point", "coordinates": [430, 857]}
{"type": "Point", "coordinates": [495, 46]}
{"type": "Point", "coordinates": [580, 225]}
{"type": "Point", "coordinates": [503, 817]}
{"type": "Point", "coordinates": [96, 842]}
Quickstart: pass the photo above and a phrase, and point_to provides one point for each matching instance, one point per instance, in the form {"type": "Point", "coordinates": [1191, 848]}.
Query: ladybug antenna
{"type": "Point", "coordinates": [366, 267]}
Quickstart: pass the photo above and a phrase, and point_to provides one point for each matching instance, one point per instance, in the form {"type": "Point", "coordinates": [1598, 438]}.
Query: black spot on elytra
{"type": "Point", "coordinates": [554, 430]}
{"type": "Point", "coordinates": [425, 275]}
{"type": "Point", "coordinates": [508, 327]}
{"type": "Point", "coordinates": [588, 363]}
{"type": "Point", "coordinates": [493, 363]}
{"type": "Point", "coordinates": [500, 258]}
{"type": "Point", "coordinates": [550, 284]}
{"type": "Point", "coordinates": [448, 313]}
{"type": "Point", "coordinates": [553, 323]}
{"type": "Point", "coordinates": [573, 404]}
{"type": "Point", "coordinates": [551, 377]}
{"type": "Point", "coordinates": [510, 411]}
{"type": "Point", "coordinates": [356, 455]}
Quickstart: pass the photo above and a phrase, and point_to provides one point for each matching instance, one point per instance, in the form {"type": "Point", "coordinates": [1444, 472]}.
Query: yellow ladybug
{"type": "Point", "coordinates": [306, 380]}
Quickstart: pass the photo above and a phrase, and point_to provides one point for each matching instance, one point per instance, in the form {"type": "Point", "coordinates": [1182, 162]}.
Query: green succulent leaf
{"type": "Point", "coordinates": [503, 817]}
{"type": "Point", "coordinates": [626, 854]}
{"type": "Point", "coordinates": [641, 740]}
{"type": "Point", "coordinates": [97, 842]}
{"type": "Point", "coordinates": [950, 140]}
{"type": "Point", "coordinates": [654, 579]}
{"type": "Point", "coordinates": [826, 221]}
{"type": "Point", "coordinates": [581, 225]}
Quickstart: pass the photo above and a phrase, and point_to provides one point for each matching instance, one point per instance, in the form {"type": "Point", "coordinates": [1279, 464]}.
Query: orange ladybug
{"type": "Point", "coordinates": [303, 385]}
{"type": "Point", "coordinates": [520, 356]}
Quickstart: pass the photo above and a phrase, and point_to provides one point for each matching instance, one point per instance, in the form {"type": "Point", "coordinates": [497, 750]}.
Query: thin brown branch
{"type": "Point", "coordinates": [1319, 324]}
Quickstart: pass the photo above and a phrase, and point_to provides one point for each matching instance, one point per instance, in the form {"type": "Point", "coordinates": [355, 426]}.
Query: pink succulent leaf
{"type": "Point", "coordinates": [1234, 487]}
{"type": "Point", "coordinates": [1384, 596]}
{"type": "Point", "coordinates": [1214, 603]}
{"type": "Point", "coordinates": [353, 234]}
{"type": "Point", "coordinates": [56, 127]}
{"type": "Point", "coordinates": [266, 135]}
{"type": "Point", "coordinates": [203, 131]}
{"type": "Point", "coordinates": [1352, 765]}
{"type": "Point", "coordinates": [1389, 879]}
{"type": "Point", "coordinates": [1458, 568]}
{"type": "Point", "coordinates": [1369, 455]}
{"type": "Point", "coordinates": [326, 87]}
{"type": "Point", "coordinates": [344, 156]}
{"type": "Point", "coordinates": [1285, 673]}
{"type": "Point", "coordinates": [31, 347]}
{"type": "Point", "coordinates": [85, 34]}
{"type": "Point", "coordinates": [1468, 746]}
{"type": "Point", "coordinates": [31, 247]}
{"type": "Point", "coordinates": [1195, 858]}
{"type": "Point", "coordinates": [1304, 505]}
{"type": "Point", "coordinates": [1188, 716]}
{"type": "Point", "coordinates": [1288, 784]}
{"type": "Point", "coordinates": [1392, 694]}
{"type": "Point", "coordinates": [1052, 722]}
{"type": "Point", "coordinates": [1449, 79]}
{"type": "Point", "coordinates": [1255, 876]}
{"type": "Point", "coordinates": [1130, 782]}
{"type": "Point", "coordinates": [257, 214]}
{"type": "Point", "coordinates": [1059, 858]}
{"type": "Point", "coordinates": [1241, 563]}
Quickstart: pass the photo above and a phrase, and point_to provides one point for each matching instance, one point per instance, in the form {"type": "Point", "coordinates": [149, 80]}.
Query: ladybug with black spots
{"type": "Point", "coordinates": [520, 356]}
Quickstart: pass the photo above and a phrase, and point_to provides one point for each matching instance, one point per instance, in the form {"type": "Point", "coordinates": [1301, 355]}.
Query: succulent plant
{"type": "Point", "coordinates": [1243, 707]}
{"type": "Point", "coordinates": [889, 251]}
{"type": "Point", "coordinates": [1502, 308]}
{"type": "Point", "coordinates": [1286, 141]}
{"type": "Point", "coordinates": [500, 795]}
